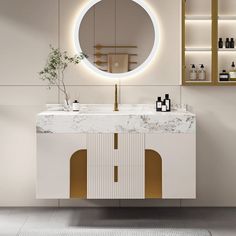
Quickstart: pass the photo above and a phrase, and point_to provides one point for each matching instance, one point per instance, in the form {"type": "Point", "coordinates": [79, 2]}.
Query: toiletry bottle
{"type": "Point", "coordinates": [232, 73]}
{"type": "Point", "coordinates": [202, 73]}
{"type": "Point", "coordinates": [232, 44]}
{"type": "Point", "coordinates": [193, 73]}
{"type": "Point", "coordinates": [75, 106]}
{"type": "Point", "coordinates": [163, 107]}
{"type": "Point", "coordinates": [221, 44]}
{"type": "Point", "coordinates": [227, 43]}
{"type": "Point", "coordinates": [167, 102]}
{"type": "Point", "coordinates": [224, 76]}
{"type": "Point", "coordinates": [158, 104]}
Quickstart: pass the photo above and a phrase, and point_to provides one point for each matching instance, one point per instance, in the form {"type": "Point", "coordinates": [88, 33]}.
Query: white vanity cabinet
{"type": "Point", "coordinates": [149, 155]}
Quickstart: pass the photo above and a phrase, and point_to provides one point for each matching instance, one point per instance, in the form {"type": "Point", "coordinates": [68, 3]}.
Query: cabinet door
{"type": "Point", "coordinates": [178, 154]}
{"type": "Point", "coordinates": [54, 152]}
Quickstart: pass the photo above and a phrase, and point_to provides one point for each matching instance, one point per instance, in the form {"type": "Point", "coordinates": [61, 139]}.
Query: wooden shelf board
{"type": "Point", "coordinates": [225, 18]}
{"type": "Point", "coordinates": [197, 18]}
{"type": "Point", "coordinates": [208, 18]}
{"type": "Point", "coordinates": [227, 50]}
{"type": "Point", "coordinates": [198, 49]}
{"type": "Point", "coordinates": [198, 81]}
{"type": "Point", "coordinates": [227, 82]}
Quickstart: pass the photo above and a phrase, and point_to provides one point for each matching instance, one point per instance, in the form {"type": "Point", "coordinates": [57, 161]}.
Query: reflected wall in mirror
{"type": "Point", "coordinates": [117, 35]}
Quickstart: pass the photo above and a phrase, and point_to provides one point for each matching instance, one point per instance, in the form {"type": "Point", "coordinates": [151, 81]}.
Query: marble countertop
{"type": "Point", "coordinates": [102, 119]}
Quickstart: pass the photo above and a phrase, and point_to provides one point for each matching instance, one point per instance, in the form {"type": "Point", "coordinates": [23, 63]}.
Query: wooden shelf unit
{"type": "Point", "coordinates": [212, 50]}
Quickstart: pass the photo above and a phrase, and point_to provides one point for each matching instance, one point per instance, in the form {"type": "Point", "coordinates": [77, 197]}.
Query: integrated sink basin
{"type": "Point", "coordinates": [100, 118]}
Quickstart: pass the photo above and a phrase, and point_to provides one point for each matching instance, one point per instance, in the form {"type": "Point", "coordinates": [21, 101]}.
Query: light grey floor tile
{"type": "Point", "coordinates": [16, 218]}
{"type": "Point", "coordinates": [220, 221]}
{"type": "Point", "coordinates": [39, 218]}
{"type": "Point", "coordinates": [9, 231]}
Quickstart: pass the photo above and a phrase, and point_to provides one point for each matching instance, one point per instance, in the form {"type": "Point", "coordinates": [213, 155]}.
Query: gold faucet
{"type": "Point", "coordinates": [116, 108]}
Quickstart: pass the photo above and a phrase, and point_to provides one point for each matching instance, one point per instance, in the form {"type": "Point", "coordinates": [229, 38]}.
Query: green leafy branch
{"type": "Point", "coordinates": [55, 67]}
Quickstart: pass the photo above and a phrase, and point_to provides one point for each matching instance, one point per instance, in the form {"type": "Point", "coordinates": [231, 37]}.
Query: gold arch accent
{"type": "Point", "coordinates": [78, 175]}
{"type": "Point", "coordinates": [153, 174]}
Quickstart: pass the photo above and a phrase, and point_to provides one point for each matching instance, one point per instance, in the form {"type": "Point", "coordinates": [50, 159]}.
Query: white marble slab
{"type": "Point", "coordinates": [130, 118]}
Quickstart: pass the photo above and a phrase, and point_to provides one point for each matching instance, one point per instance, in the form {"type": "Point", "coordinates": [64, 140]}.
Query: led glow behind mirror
{"type": "Point", "coordinates": [96, 60]}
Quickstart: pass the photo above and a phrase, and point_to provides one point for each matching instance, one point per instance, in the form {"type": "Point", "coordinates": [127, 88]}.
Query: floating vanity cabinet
{"type": "Point", "coordinates": [135, 153]}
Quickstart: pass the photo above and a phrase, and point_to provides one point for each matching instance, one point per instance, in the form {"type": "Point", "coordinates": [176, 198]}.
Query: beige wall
{"type": "Point", "coordinates": [26, 29]}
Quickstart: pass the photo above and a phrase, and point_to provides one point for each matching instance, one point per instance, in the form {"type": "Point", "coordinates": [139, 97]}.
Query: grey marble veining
{"type": "Point", "coordinates": [102, 119]}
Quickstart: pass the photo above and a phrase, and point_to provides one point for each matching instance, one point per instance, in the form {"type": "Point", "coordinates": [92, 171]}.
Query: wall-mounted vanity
{"type": "Point", "coordinates": [101, 154]}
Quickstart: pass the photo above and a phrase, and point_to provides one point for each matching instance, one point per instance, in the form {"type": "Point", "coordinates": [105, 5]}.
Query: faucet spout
{"type": "Point", "coordinates": [116, 105]}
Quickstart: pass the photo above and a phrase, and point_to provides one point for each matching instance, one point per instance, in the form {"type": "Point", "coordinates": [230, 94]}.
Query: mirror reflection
{"type": "Point", "coordinates": [117, 35]}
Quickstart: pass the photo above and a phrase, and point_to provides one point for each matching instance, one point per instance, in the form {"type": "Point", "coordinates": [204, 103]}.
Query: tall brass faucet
{"type": "Point", "coordinates": [116, 105]}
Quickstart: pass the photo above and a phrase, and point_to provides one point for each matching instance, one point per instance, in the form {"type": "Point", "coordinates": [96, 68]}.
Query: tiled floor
{"type": "Point", "coordinates": [220, 221]}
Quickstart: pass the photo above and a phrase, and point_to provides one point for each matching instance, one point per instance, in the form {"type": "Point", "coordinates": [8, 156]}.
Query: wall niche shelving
{"type": "Point", "coordinates": [203, 23]}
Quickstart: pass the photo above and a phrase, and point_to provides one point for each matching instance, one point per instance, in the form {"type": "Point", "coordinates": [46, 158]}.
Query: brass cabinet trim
{"type": "Point", "coordinates": [116, 141]}
{"type": "Point", "coordinates": [214, 39]}
{"type": "Point", "coordinates": [116, 174]}
{"type": "Point", "coordinates": [183, 42]}
{"type": "Point", "coordinates": [78, 175]}
{"type": "Point", "coordinates": [153, 175]}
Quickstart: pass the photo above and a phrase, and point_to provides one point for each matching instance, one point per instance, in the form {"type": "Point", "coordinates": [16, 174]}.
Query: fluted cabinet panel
{"type": "Point", "coordinates": [131, 149]}
{"type": "Point", "coordinates": [103, 158]}
{"type": "Point", "coordinates": [100, 149]}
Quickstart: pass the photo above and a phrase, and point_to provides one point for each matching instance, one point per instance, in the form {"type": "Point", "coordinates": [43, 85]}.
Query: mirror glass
{"type": "Point", "coordinates": [116, 35]}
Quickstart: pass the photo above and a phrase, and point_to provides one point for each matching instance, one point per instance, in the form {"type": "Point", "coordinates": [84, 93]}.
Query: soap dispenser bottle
{"type": "Point", "coordinates": [202, 73]}
{"type": "Point", "coordinates": [193, 73]}
{"type": "Point", "coordinates": [158, 104]}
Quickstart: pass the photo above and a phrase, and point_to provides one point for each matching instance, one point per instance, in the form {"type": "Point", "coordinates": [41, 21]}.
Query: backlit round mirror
{"type": "Point", "coordinates": [120, 37]}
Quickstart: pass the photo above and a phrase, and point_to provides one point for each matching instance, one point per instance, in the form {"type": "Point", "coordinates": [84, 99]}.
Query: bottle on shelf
{"type": "Point", "coordinates": [232, 43]}
{"type": "Point", "coordinates": [221, 43]}
{"type": "Point", "coordinates": [158, 104]}
{"type": "Point", "coordinates": [224, 76]}
{"type": "Point", "coordinates": [202, 73]}
{"type": "Point", "coordinates": [193, 73]}
{"type": "Point", "coordinates": [227, 43]}
{"type": "Point", "coordinates": [232, 73]}
{"type": "Point", "coordinates": [163, 107]}
{"type": "Point", "coordinates": [167, 102]}
{"type": "Point", "coordinates": [75, 105]}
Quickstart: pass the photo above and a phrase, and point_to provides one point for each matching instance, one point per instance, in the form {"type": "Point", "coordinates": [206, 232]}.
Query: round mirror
{"type": "Point", "coordinates": [120, 37]}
